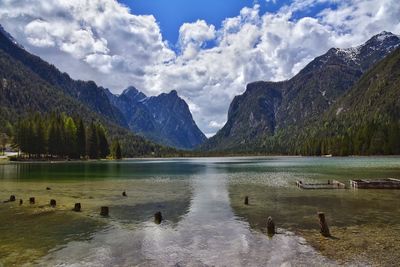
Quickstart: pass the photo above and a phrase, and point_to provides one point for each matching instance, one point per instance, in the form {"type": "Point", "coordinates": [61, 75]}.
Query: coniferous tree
{"type": "Point", "coordinates": [116, 152]}
{"type": "Point", "coordinates": [92, 142]}
{"type": "Point", "coordinates": [54, 138]}
{"type": "Point", "coordinates": [22, 136]}
{"type": "Point", "coordinates": [40, 136]}
{"type": "Point", "coordinates": [80, 138]}
{"type": "Point", "coordinates": [3, 142]}
{"type": "Point", "coordinates": [60, 136]}
{"type": "Point", "coordinates": [394, 138]}
{"type": "Point", "coordinates": [29, 141]}
{"type": "Point", "coordinates": [103, 147]}
{"type": "Point", "coordinates": [70, 137]}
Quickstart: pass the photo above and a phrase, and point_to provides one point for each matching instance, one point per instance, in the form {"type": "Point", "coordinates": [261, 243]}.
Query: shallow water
{"type": "Point", "coordinates": [206, 223]}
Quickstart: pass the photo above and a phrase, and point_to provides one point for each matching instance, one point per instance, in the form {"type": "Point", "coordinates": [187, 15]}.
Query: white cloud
{"type": "Point", "coordinates": [95, 37]}
{"type": "Point", "coordinates": [216, 125]}
{"type": "Point", "coordinates": [192, 37]}
{"type": "Point", "coordinates": [101, 40]}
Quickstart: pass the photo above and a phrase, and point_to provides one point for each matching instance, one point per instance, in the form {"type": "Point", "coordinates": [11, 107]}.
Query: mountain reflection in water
{"type": "Point", "coordinates": [209, 234]}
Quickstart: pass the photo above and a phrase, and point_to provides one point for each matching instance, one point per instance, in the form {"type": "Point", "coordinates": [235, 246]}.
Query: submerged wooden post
{"type": "Point", "coordinates": [270, 227]}
{"type": "Point", "coordinates": [21, 202]}
{"type": "Point", "coordinates": [158, 217]}
{"type": "Point", "coordinates": [324, 229]}
{"type": "Point", "coordinates": [124, 194]}
{"type": "Point", "coordinates": [77, 207]}
{"type": "Point", "coordinates": [104, 211]}
{"type": "Point", "coordinates": [31, 200]}
{"type": "Point", "coordinates": [246, 200]}
{"type": "Point", "coordinates": [53, 203]}
{"type": "Point", "coordinates": [12, 198]}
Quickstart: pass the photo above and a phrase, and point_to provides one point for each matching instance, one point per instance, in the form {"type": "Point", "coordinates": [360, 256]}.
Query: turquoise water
{"type": "Point", "coordinates": [206, 223]}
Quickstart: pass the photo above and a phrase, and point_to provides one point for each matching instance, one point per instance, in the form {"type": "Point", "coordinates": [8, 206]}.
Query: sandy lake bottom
{"type": "Point", "coordinates": [206, 222]}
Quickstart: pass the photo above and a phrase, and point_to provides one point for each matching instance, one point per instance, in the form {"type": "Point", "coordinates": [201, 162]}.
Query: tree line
{"type": "Point", "coordinates": [337, 138]}
{"type": "Point", "coordinates": [370, 138]}
{"type": "Point", "coordinates": [61, 136]}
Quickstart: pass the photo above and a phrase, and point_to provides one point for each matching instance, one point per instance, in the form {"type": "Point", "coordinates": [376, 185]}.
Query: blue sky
{"type": "Point", "coordinates": [171, 14]}
{"type": "Point", "coordinates": [207, 63]}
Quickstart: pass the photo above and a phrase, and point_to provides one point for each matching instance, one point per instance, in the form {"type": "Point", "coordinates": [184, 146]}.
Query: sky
{"type": "Point", "coordinates": [207, 50]}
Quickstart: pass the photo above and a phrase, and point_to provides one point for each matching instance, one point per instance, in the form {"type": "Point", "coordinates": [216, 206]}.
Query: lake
{"type": "Point", "coordinates": [206, 222]}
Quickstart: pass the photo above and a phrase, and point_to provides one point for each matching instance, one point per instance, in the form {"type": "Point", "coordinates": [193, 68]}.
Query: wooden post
{"type": "Point", "coordinates": [12, 198]}
{"type": "Point", "coordinates": [270, 227]}
{"type": "Point", "coordinates": [158, 217]}
{"type": "Point", "coordinates": [53, 203]}
{"type": "Point", "coordinates": [77, 207]}
{"type": "Point", "coordinates": [21, 202]}
{"type": "Point", "coordinates": [104, 211]}
{"type": "Point", "coordinates": [31, 200]}
{"type": "Point", "coordinates": [324, 229]}
{"type": "Point", "coordinates": [246, 200]}
{"type": "Point", "coordinates": [124, 194]}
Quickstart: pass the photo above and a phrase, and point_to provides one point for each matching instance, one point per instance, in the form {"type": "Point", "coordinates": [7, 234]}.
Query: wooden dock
{"type": "Point", "coordinates": [331, 184]}
{"type": "Point", "coordinates": [385, 183]}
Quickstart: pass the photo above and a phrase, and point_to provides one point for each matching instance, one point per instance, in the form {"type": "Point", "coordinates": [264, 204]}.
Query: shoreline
{"type": "Point", "coordinates": [6, 160]}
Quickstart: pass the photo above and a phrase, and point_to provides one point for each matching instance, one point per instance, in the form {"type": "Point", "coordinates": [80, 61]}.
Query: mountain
{"type": "Point", "coordinates": [365, 120]}
{"type": "Point", "coordinates": [376, 94]}
{"type": "Point", "coordinates": [28, 84]}
{"type": "Point", "coordinates": [86, 92]}
{"type": "Point", "coordinates": [164, 119]}
{"type": "Point", "coordinates": [173, 127]}
{"type": "Point", "coordinates": [268, 109]}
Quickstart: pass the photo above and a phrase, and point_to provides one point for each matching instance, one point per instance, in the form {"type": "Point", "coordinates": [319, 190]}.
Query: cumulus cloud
{"type": "Point", "coordinates": [102, 40]}
{"type": "Point", "coordinates": [192, 37]}
{"type": "Point", "coordinates": [95, 37]}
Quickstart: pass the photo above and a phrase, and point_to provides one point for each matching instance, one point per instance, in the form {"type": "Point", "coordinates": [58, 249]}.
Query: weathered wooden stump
{"type": "Point", "coordinates": [124, 194]}
{"type": "Point", "coordinates": [270, 226]}
{"type": "Point", "coordinates": [53, 203]}
{"type": "Point", "coordinates": [77, 207]}
{"type": "Point", "coordinates": [324, 229]}
{"type": "Point", "coordinates": [158, 217]}
{"type": "Point", "coordinates": [31, 200]}
{"type": "Point", "coordinates": [246, 200]}
{"type": "Point", "coordinates": [21, 201]}
{"type": "Point", "coordinates": [12, 198]}
{"type": "Point", "coordinates": [104, 211]}
{"type": "Point", "coordinates": [48, 188]}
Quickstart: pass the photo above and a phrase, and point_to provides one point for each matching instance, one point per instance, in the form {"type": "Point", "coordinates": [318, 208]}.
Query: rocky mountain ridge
{"type": "Point", "coordinates": [165, 118]}
{"type": "Point", "coordinates": [125, 111]}
{"type": "Point", "coordinates": [266, 108]}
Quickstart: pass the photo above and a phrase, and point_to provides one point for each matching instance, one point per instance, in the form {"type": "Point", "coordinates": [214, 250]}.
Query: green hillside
{"type": "Point", "coordinates": [23, 92]}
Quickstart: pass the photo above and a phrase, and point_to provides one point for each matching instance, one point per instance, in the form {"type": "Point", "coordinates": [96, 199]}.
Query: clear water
{"type": "Point", "coordinates": [206, 223]}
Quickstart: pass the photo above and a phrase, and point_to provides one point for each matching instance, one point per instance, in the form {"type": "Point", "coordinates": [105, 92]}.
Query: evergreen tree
{"type": "Point", "coordinates": [70, 137]}
{"type": "Point", "coordinates": [29, 141]}
{"type": "Point", "coordinates": [116, 152]}
{"type": "Point", "coordinates": [92, 142]}
{"type": "Point", "coordinates": [60, 136]}
{"type": "Point", "coordinates": [394, 138]}
{"type": "Point", "coordinates": [56, 137]}
{"type": "Point", "coordinates": [80, 138]}
{"type": "Point", "coordinates": [18, 135]}
{"type": "Point", "coordinates": [103, 147]}
{"type": "Point", "coordinates": [40, 136]}
{"type": "Point", "coordinates": [53, 142]}
{"type": "Point", "coordinates": [3, 141]}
